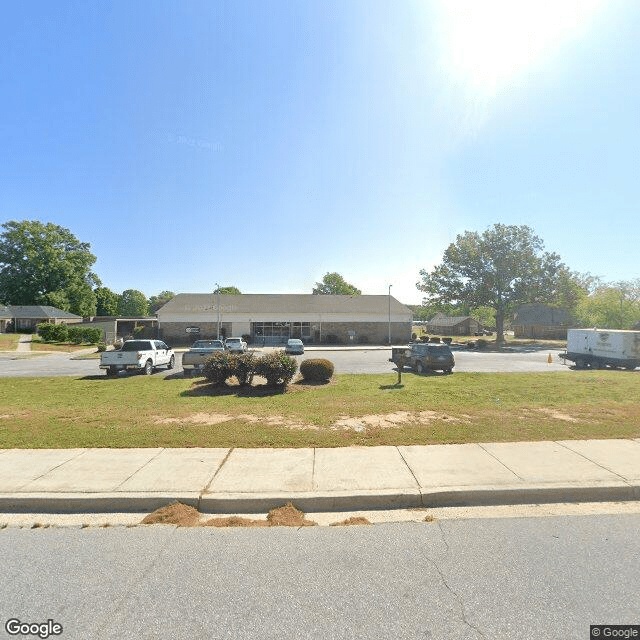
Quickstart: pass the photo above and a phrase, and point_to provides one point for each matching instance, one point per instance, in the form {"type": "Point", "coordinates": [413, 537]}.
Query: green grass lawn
{"type": "Point", "coordinates": [40, 345]}
{"type": "Point", "coordinates": [9, 341]}
{"type": "Point", "coordinates": [140, 411]}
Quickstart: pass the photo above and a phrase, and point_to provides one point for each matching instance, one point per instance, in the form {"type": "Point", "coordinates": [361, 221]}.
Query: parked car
{"type": "Point", "coordinates": [194, 359]}
{"type": "Point", "coordinates": [235, 345]}
{"type": "Point", "coordinates": [423, 356]}
{"type": "Point", "coordinates": [138, 355]}
{"type": "Point", "coordinates": [294, 346]}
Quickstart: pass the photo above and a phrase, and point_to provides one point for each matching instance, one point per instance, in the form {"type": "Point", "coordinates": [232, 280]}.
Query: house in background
{"type": "Point", "coordinates": [541, 321]}
{"type": "Point", "coordinates": [5, 318]}
{"type": "Point", "coordinates": [453, 325]}
{"type": "Point", "coordinates": [27, 318]}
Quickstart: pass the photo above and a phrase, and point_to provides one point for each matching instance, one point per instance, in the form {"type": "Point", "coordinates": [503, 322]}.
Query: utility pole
{"type": "Point", "coordinates": [390, 314]}
{"type": "Point", "coordinates": [218, 305]}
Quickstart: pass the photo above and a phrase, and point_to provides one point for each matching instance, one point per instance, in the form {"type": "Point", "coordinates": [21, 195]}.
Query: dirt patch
{"type": "Point", "coordinates": [288, 516]}
{"type": "Point", "coordinates": [177, 513]}
{"type": "Point", "coordinates": [391, 420]}
{"type": "Point", "coordinates": [350, 521]}
{"type": "Point", "coordinates": [235, 521]}
{"type": "Point", "coordinates": [195, 418]}
{"type": "Point", "coordinates": [558, 415]}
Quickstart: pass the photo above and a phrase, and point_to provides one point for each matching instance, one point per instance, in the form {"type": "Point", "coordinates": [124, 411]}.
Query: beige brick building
{"type": "Point", "coordinates": [271, 319]}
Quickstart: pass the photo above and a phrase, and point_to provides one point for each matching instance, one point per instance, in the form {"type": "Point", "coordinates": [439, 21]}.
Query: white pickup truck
{"type": "Point", "coordinates": [138, 355]}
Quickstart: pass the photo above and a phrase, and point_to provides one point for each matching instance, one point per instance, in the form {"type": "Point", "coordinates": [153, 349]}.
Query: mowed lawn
{"type": "Point", "coordinates": [140, 411]}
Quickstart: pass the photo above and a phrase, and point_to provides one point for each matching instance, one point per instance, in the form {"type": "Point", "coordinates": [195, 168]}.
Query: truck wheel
{"type": "Point", "coordinates": [172, 362]}
{"type": "Point", "coordinates": [447, 370]}
{"type": "Point", "coordinates": [419, 367]}
{"type": "Point", "coordinates": [148, 368]}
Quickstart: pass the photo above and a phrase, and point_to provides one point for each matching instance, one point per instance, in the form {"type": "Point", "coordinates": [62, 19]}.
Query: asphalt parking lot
{"type": "Point", "coordinates": [374, 360]}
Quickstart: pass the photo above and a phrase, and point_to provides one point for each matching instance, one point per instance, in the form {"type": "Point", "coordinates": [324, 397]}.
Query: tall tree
{"type": "Point", "coordinates": [42, 263]}
{"type": "Point", "coordinates": [133, 303]}
{"type": "Point", "coordinates": [500, 268]}
{"type": "Point", "coordinates": [612, 306]}
{"type": "Point", "coordinates": [227, 291]}
{"type": "Point", "coordinates": [155, 302]}
{"type": "Point", "coordinates": [335, 284]}
{"type": "Point", "coordinates": [107, 302]}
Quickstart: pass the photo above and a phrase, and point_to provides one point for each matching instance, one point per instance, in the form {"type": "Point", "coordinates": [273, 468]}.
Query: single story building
{"type": "Point", "coordinates": [271, 319]}
{"type": "Point", "coordinates": [5, 318]}
{"type": "Point", "coordinates": [541, 321]}
{"type": "Point", "coordinates": [28, 317]}
{"type": "Point", "coordinates": [125, 328]}
{"type": "Point", "coordinates": [453, 325]}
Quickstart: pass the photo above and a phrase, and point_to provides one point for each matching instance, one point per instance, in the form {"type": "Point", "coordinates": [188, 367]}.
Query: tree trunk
{"type": "Point", "coordinates": [499, 326]}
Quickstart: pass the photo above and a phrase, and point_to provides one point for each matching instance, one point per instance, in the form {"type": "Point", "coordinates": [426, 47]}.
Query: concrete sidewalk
{"type": "Point", "coordinates": [350, 478]}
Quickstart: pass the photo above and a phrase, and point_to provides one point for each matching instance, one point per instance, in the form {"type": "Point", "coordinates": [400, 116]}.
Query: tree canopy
{"type": "Point", "coordinates": [612, 306]}
{"type": "Point", "coordinates": [133, 303]}
{"type": "Point", "coordinates": [107, 302]}
{"type": "Point", "coordinates": [500, 268]}
{"type": "Point", "coordinates": [46, 264]}
{"type": "Point", "coordinates": [155, 302]}
{"type": "Point", "coordinates": [335, 284]}
{"type": "Point", "coordinates": [227, 291]}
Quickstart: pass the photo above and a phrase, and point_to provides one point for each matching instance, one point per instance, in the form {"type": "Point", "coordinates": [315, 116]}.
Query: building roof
{"type": "Point", "coordinates": [5, 312]}
{"type": "Point", "coordinates": [449, 321]}
{"type": "Point", "coordinates": [534, 313]}
{"type": "Point", "coordinates": [282, 303]}
{"type": "Point", "coordinates": [40, 311]}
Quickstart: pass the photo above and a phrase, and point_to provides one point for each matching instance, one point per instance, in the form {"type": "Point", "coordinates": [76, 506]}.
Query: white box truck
{"type": "Point", "coordinates": [600, 348]}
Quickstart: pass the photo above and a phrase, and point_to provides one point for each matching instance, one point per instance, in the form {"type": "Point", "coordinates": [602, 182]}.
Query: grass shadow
{"type": "Point", "coordinates": [204, 388]}
{"type": "Point", "coordinates": [391, 386]}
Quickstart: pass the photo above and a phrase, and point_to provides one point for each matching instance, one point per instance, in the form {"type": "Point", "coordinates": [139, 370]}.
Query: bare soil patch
{"type": "Point", "coordinates": [177, 513]}
{"type": "Point", "coordinates": [350, 521]}
{"type": "Point", "coordinates": [391, 420]}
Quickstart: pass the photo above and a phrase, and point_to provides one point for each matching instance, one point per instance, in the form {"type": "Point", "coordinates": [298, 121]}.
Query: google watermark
{"type": "Point", "coordinates": [15, 627]}
{"type": "Point", "coordinates": [598, 631]}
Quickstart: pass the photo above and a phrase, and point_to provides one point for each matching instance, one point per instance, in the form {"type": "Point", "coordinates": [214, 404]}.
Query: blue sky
{"type": "Point", "coordinates": [263, 144]}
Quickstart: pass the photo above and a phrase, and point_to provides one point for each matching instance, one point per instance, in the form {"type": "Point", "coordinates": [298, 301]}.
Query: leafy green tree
{"type": "Point", "coordinates": [106, 302]}
{"type": "Point", "coordinates": [611, 306]}
{"type": "Point", "coordinates": [500, 268]}
{"type": "Point", "coordinates": [45, 263]}
{"type": "Point", "coordinates": [227, 291]}
{"type": "Point", "coordinates": [133, 303]}
{"type": "Point", "coordinates": [155, 302]}
{"type": "Point", "coordinates": [335, 284]}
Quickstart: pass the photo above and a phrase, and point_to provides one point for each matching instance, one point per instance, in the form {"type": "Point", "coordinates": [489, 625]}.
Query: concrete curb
{"type": "Point", "coordinates": [359, 500]}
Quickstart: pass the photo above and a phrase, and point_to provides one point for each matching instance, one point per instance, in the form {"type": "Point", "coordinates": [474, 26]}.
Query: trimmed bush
{"type": "Point", "coordinates": [102, 347]}
{"type": "Point", "coordinates": [482, 344]}
{"type": "Point", "coordinates": [245, 368]}
{"type": "Point", "coordinates": [220, 366]}
{"type": "Point", "coordinates": [45, 331]}
{"type": "Point", "coordinates": [447, 340]}
{"type": "Point", "coordinates": [423, 338]}
{"type": "Point", "coordinates": [413, 337]}
{"type": "Point", "coordinates": [434, 339]}
{"type": "Point", "coordinates": [471, 344]}
{"type": "Point", "coordinates": [277, 367]}
{"type": "Point", "coordinates": [74, 335]}
{"type": "Point", "coordinates": [316, 369]}
{"type": "Point", "coordinates": [246, 337]}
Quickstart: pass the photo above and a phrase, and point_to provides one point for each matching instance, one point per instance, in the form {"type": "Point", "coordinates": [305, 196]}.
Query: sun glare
{"type": "Point", "coordinates": [489, 43]}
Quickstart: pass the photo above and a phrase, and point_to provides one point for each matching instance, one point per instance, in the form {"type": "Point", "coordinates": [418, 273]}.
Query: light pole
{"type": "Point", "coordinates": [218, 305]}
{"type": "Point", "coordinates": [390, 314]}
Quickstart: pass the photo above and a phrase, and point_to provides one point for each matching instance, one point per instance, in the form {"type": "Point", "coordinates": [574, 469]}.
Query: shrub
{"type": "Point", "coordinates": [434, 339]}
{"type": "Point", "coordinates": [316, 369]}
{"type": "Point", "coordinates": [447, 340]}
{"type": "Point", "coordinates": [74, 334]}
{"type": "Point", "coordinates": [413, 337]}
{"type": "Point", "coordinates": [45, 331]}
{"type": "Point", "coordinates": [277, 367]}
{"type": "Point", "coordinates": [246, 337]}
{"type": "Point", "coordinates": [424, 338]}
{"type": "Point", "coordinates": [102, 347]}
{"type": "Point", "coordinates": [245, 368]}
{"type": "Point", "coordinates": [471, 344]}
{"type": "Point", "coordinates": [59, 333]}
{"type": "Point", "coordinates": [92, 335]}
{"type": "Point", "coordinates": [482, 344]}
{"type": "Point", "coordinates": [220, 366]}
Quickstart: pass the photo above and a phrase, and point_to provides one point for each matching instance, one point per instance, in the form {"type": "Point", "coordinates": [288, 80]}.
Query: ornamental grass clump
{"type": "Point", "coordinates": [316, 370]}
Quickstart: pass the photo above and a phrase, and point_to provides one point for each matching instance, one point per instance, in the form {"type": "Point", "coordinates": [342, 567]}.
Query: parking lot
{"type": "Point", "coordinates": [346, 360]}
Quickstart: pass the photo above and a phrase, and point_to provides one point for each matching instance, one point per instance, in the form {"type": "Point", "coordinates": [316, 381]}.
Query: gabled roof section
{"type": "Point", "coordinates": [282, 303]}
{"type": "Point", "coordinates": [40, 311]}
{"type": "Point", "coordinates": [529, 314]}
{"type": "Point", "coordinates": [5, 312]}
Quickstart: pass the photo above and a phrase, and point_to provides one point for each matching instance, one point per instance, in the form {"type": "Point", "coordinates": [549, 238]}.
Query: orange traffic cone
{"type": "Point", "coordinates": [549, 359]}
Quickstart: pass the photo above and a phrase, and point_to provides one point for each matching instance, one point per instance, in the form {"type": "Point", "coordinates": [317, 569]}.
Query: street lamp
{"type": "Point", "coordinates": [390, 314]}
{"type": "Point", "coordinates": [218, 305]}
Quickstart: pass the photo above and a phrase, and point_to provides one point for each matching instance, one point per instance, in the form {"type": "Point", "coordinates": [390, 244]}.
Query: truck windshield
{"type": "Point", "coordinates": [136, 345]}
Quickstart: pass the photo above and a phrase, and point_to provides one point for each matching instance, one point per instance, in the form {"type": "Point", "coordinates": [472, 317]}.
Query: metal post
{"type": "Point", "coordinates": [390, 314]}
{"type": "Point", "coordinates": [218, 305]}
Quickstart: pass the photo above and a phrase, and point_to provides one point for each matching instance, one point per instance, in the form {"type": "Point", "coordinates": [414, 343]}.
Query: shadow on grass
{"type": "Point", "coordinates": [204, 388]}
{"type": "Point", "coordinates": [385, 387]}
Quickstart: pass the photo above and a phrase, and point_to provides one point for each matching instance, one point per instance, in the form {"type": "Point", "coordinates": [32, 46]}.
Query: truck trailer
{"type": "Point", "coordinates": [601, 348]}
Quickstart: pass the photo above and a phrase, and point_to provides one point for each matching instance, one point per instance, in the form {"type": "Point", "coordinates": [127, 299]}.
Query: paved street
{"type": "Point", "coordinates": [345, 360]}
{"type": "Point", "coordinates": [542, 578]}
